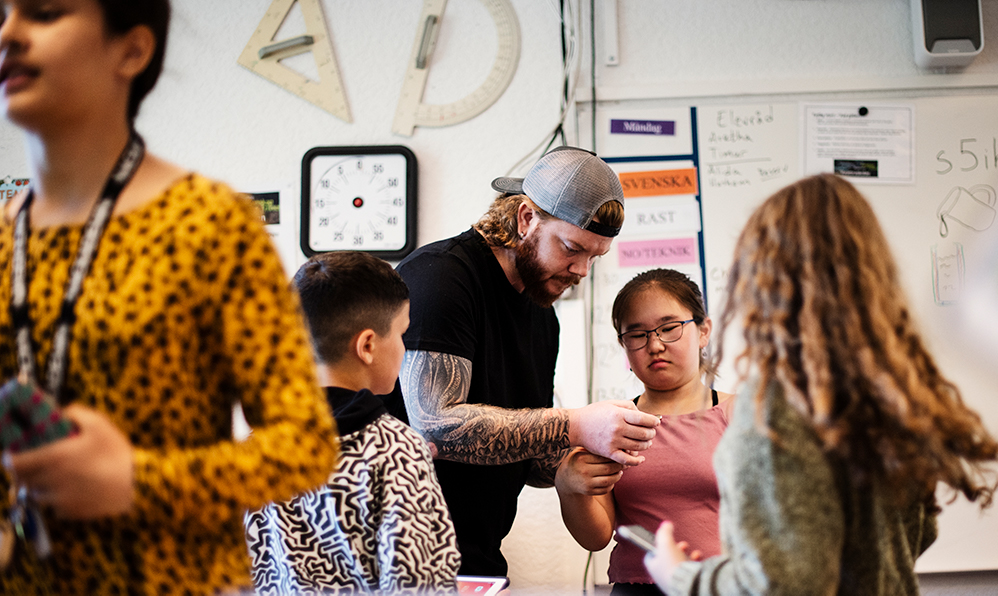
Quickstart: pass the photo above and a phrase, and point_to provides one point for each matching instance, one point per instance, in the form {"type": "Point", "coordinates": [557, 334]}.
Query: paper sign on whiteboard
{"type": "Point", "coordinates": [864, 142]}
{"type": "Point", "coordinates": [659, 183]}
{"type": "Point", "coordinates": [656, 216]}
{"type": "Point", "coordinates": [656, 253]}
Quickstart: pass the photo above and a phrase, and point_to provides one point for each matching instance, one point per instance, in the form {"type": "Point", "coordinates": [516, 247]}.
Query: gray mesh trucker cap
{"type": "Point", "coordinates": [570, 184]}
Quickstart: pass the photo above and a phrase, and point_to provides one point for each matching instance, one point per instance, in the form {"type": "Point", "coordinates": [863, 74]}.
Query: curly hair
{"type": "Point", "coordinates": [499, 224]}
{"type": "Point", "coordinates": [824, 316]}
{"type": "Point", "coordinates": [672, 282]}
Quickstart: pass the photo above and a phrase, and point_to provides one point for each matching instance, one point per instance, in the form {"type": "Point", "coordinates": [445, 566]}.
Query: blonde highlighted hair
{"type": "Point", "coordinates": [817, 293]}
{"type": "Point", "coordinates": [500, 228]}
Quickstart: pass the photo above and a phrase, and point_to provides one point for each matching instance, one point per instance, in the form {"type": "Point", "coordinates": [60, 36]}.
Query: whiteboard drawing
{"type": "Point", "coordinates": [973, 208]}
{"type": "Point", "coordinates": [947, 272]}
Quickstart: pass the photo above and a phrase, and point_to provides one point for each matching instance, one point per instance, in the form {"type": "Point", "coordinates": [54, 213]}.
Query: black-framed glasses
{"type": "Point", "coordinates": [666, 333]}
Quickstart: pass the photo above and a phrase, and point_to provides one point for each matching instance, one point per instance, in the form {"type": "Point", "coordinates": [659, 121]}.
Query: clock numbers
{"type": "Point", "coordinates": [355, 202]}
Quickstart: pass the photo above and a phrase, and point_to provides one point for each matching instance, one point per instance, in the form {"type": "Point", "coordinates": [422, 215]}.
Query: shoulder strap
{"type": "Point", "coordinates": [124, 169]}
{"type": "Point", "coordinates": [713, 396]}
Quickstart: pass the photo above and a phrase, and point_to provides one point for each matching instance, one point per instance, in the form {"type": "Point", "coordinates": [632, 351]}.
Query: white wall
{"type": "Point", "coordinates": [213, 115]}
{"type": "Point", "coordinates": [210, 114]}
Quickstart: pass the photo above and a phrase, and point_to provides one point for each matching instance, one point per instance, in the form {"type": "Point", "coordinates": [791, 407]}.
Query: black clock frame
{"type": "Point", "coordinates": [411, 192]}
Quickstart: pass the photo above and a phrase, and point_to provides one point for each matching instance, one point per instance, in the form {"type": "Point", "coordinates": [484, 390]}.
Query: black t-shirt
{"type": "Point", "coordinates": [461, 303]}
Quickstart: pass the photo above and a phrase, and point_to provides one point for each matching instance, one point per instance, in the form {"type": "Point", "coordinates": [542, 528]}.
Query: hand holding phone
{"type": "Point", "coordinates": [89, 475]}
{"type": "Point", "coordinates": [638, 536]}
{"type": "Point", "coordinates": [29, 417]}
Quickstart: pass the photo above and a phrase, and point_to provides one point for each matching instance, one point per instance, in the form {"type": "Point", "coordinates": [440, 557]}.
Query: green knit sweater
{"type": "Point", "coordinates": [792, 523]}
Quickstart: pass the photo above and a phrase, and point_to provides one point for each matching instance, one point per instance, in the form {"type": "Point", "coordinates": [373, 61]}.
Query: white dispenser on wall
{"type": "Point", "coordinates": [947, 33]}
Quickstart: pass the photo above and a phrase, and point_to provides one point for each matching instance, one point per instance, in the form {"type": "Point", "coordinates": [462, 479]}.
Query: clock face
{"type": "Point", "coordinates": [359, 198]}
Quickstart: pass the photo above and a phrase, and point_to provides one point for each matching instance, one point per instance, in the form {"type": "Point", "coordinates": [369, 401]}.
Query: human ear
{"type": "Point", "coordinates": [363, 346]}
{"type": "Point", "coordinates": [139, 45]}
{"type": "Point", "coordinates": [525, 216]}
{"type": "Point", "coordinates": [705, 328]}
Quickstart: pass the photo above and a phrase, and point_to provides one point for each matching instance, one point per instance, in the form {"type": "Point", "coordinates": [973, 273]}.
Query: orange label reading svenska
{"type": "Point", "coordinates": [659, 182]}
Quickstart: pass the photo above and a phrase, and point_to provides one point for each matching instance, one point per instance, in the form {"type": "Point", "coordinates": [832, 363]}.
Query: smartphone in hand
{"type": "Point", "coordinates": [638, 536]}
{"type": "Point", "coordinates": [29, 417]}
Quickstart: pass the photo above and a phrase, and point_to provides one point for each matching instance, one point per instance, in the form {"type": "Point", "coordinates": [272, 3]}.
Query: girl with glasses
{"type": "Point", "coordinates": [844, 425]}
{"type": "Point", "coordinates": [662, 326]}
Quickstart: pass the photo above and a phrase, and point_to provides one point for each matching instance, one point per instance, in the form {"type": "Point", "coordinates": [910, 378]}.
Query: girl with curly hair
{"type": "Point", "coordinates": [844, 424]}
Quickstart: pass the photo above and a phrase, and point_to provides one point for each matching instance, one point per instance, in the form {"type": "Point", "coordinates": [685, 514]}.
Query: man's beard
{"type": "Point", "coordinates": [533, 276]}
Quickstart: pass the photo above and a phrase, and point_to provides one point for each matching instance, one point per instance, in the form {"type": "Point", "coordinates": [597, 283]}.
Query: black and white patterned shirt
{"type": "Point", "coordinates": [379, 525]}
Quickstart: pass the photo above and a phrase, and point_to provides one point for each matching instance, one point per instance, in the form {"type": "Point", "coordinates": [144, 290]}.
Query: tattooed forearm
{"type": "Point", "coordinates": [435, 386]}
{"type": "Point", "coordinates": [543, 469]}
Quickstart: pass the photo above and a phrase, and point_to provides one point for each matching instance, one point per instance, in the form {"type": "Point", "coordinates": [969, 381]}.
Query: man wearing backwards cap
{"type": "Point", "coordinates": [480, 354]}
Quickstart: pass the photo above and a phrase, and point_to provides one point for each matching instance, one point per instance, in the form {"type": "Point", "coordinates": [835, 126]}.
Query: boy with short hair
{"type": "Point", "coordinates": [381, 523]}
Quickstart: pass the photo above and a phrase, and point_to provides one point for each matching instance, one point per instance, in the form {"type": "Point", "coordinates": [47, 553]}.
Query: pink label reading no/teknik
{"type": "Point", "coordinates": [645, 253]}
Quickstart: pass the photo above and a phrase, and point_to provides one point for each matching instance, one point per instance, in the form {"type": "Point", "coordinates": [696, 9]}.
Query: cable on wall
{"type": "Point", "coordinates": [592, 67]}
{"type": "Point", "coordinates": [570, 19]}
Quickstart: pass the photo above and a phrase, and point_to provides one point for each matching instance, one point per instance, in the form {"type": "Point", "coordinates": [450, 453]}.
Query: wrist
{"type": "Point", "coordinates": [572, 421]}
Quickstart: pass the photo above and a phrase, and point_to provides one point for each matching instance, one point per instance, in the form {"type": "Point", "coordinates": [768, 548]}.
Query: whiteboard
{"type": "Point", "coordinates": [939, 223]}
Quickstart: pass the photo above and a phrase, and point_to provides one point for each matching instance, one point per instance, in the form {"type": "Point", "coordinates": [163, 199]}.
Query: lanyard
{"type": "Point", "coordinates": [123, 171]}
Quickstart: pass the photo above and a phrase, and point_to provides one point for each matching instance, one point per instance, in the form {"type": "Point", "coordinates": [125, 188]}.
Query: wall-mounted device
{"type": "Point", "coordinates": [946, 32]}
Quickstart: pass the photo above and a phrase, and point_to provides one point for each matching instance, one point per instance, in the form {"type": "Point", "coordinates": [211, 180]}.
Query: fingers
{"type": "Point", "coordinates": [664, 535]}
{"type": "Point", "coordinates": [594, 465]}
{"type": "Point", "coordinates": [636, 417]}
{"type": "Point", "coordinates": [32, 466]}
{"type": "Point", "coordinates": [635, 429]}
{"type": "Point", "coordinates": [626, 459]}
{"type": "Point", "coordinates": [602, 467]}
{"type": "Point", "coordinates": [82, 417]}
{"type": "Point", "coordinates": [685, 547]}
{"type": "Point", "coordinates": [603, 485]}
{"type": "Point", "coordinates": [633, 417]}
{"type": "Point", "coordinates": [684, 551]}
{"type": "Point", "coordinates": [594, 459]}
{"type": "Point", "coordinates": [633, 445]}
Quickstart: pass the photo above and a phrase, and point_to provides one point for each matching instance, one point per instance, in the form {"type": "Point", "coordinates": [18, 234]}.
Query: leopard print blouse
{"type": "Point", "coordinates": [185, 312]}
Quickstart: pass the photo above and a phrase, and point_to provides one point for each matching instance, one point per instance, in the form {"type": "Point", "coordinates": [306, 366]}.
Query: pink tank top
{"type": "Point", "coordinates": [676, 482]}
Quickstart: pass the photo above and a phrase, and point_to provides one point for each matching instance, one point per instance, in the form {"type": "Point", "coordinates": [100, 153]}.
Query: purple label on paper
{"type": "Point", "coordinates": [646, 253]}
{"type": "Point", "coordinates": [643, 127]}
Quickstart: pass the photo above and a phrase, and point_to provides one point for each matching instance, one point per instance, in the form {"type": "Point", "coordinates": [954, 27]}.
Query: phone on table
{"type": "Point", "coordinates": [638, 536]}
{"type": "Point", "coordinates": [481, 585]}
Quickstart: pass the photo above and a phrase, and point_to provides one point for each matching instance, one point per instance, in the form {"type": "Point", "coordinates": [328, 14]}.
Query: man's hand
{"type": "Point", "coordinates": [614, 429]}
{"type": "Point", "coordinates": [583, 473]}
{"type": "Point", "coordinates": [84, 476]}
